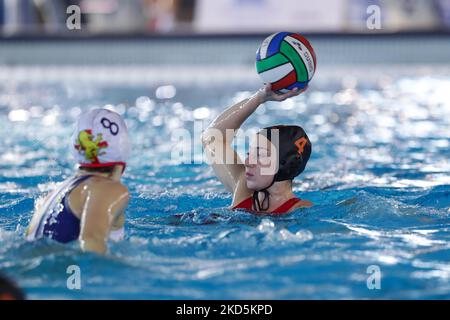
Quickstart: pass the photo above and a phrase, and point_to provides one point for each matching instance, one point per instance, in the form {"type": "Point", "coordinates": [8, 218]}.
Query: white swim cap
{"type": "Point", "coordinates": [100, 139]}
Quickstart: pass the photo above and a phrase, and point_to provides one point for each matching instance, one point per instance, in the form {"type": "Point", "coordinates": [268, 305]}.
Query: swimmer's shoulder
{"type": "Point", "coordinates": [302, 204]}
{"type": "Point", "coordinates": [106, 188]}
{"type": "Point", "coordinates": [109, 191]}
{"type": "Point", "coordinates": [108, 183]}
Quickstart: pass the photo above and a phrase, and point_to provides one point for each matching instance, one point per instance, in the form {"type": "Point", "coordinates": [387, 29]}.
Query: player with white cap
{"type": "Point", "coordinates": [89, 206]}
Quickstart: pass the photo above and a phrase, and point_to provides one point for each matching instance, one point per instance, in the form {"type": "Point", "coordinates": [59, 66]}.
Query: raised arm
{"type": "Point", "coordinates": [217, 138]}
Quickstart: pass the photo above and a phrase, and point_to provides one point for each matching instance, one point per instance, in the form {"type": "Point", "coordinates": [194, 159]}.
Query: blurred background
{"type": "Point", "coordinates": [221, 16]}
{"type": "Point", "coordinates": [220, 32]}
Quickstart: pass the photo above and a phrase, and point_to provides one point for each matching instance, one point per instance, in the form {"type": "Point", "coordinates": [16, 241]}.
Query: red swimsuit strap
{"type": "Point", "coordinates": [285, 207]}
{"type": "Point", "coordinates": [246, 204]}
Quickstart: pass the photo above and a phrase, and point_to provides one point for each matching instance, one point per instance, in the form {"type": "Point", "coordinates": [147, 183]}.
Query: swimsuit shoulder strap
{"type": "Point", "coordinates": [59, 197]}
{"type": "Point", "coordinates": [60, 193]}
{"type": "Point", "coordinates": [245, 204]}
{"type": "Point", "coordinates": [285, 207]}
{"type": "Point", "coordinates": [73, 184]}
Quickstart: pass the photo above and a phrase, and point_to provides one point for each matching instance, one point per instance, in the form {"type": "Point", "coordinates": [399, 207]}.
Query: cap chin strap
{"type": "Point", "coordinates": [265, 203]}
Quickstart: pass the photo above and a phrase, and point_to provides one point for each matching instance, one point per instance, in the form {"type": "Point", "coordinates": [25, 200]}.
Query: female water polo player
{"type": "Point", "coordinates": [89, 206]}
{"type": "Point", "coordinates": [255, 186]}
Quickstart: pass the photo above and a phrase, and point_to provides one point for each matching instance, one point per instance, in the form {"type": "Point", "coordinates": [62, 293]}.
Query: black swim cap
{"type": "Point", "coordinates": [294, 150]}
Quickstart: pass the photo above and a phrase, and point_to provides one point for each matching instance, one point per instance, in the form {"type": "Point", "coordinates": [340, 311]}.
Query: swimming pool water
{"type": "Point", "coordinates": [379, 177]}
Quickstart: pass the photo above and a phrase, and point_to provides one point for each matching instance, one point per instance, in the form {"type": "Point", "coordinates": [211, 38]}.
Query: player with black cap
{"type": "Point", "coordinates": [263, 183]}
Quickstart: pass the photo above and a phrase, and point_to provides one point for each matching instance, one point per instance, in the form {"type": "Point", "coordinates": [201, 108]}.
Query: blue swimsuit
{"type": "Point", "coordinates": [58, 222]}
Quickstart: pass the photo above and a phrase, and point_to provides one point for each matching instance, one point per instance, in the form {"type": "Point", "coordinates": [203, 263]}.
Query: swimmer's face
{"type": "Point", "coordinates": [261, 163]}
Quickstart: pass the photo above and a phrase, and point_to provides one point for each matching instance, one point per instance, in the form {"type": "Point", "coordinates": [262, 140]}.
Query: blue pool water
{"type": "Point", "coordinates": [379, 177]}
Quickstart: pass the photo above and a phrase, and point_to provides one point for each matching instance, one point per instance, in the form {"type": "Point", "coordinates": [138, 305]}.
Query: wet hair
{"type": "Point", "coordinates": [105, 169]}
{"type": "Point", "coordinates": [9, 289]}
